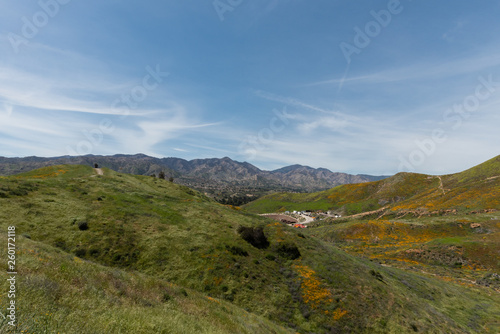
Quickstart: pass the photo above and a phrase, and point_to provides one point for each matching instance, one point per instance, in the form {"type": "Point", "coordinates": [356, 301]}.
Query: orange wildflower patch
{"type": "Point", "coordinates": [385, 233]}
{"type": "Point", "coordinates": [53, 174]}
{"type": "Point", "coordinates": [313, 291]}
{"type": "Point", "coordinates": [213, 300]}
{"type": "Point", "coordinates": [339, 313]}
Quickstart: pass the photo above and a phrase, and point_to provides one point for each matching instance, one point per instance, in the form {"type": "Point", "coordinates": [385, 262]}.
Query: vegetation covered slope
{"type": "Point", "coordinates": [61, 293]}
{"type": "Point", "coordinates": [476, 189]}
{"type": "Point", "coordinates": [463, 249]}
{"type": "Point", "coordinates": [150, 233]}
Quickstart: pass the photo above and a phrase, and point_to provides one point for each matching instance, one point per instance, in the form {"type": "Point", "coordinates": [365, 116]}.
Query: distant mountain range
{"type": "Point", "coordinates": [218, 177]}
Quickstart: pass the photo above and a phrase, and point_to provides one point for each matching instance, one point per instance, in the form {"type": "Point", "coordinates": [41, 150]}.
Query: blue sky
{"type": "Point", "coordinates": [372, 87]}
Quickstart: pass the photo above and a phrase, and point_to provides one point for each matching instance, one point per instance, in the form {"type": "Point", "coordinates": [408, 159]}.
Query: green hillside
{"type": "Point", "coordinates": [121, 253]}
{"type": "Point", "coordinates": [61, 293]}
{"type": "Point", "coordinates": [476, 189]}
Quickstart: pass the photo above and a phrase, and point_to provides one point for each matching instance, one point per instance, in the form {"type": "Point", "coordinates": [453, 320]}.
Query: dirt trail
{"type": "Point", "coordinates": [441, 184]}
{"type": "Point", "coordinates": [367, 213]}
{"type": "Point", "coordinates": [99, 171]}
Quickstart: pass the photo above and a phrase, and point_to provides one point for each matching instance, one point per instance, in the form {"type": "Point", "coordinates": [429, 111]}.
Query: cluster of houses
{"type": "Point", "coordinates": [315, 214]}
{"type": "Point", "coordinates": [300, 219]}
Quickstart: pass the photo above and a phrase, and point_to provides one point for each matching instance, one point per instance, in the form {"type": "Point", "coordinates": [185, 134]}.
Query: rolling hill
{"type": "Point", "coordinates": [128, 253]}
{"type": "Point", "coordinates": [476, 189]}
{"type": "Point", "coordinates": [223, 178]}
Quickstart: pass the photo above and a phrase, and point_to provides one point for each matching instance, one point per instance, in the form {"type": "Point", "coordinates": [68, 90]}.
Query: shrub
{"type": "Point", "coordinates": [94, 252]}
{"type": "Point", "coordinates": [166, 297]}
{"type": "Point", "coordinates": [377, 275]}
{"type": "Point", "coordinates": [18, 192]}
{"type": "Point", "coordinates": [80, 252]}
{"type": "Point", "coordinates": [288, 250]}
{"type": "Point", "coordinates": [83, 226]}
{"type": "Point", "coordinates": [235, 250]}
{"type": "Point", "coordinates": [270, 257]}
{"type": "Point", "coordinates": [229, 297]}
{"type": "Point", "coordinates": [254, 236]}
{"type": "Point", "coordinates": [60, 243]}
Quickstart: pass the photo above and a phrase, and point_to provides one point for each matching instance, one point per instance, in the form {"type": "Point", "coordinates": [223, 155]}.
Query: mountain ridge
{"type": "Point", "coordinates": [224, 179]}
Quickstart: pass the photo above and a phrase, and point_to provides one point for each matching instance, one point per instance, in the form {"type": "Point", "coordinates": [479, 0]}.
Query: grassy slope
{"type": "Point", "coordinates": [169, 232]}
{"type": "Point", "coordinates": [446, 246]}
{"type": "Point", "coordinates": [60, 293]}
{"type": "Point", "coordinates": [475, 189]}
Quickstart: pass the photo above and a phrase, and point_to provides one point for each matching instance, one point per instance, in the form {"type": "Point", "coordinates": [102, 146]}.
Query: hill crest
{"type": "Point", "coordinates": [474, 189]}
{"type": "Point", "coordinates": [221, 178]}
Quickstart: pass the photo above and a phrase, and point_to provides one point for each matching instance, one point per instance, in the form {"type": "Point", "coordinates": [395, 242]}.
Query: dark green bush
{"type": "Point", "coordinates": [80, 252]}
{"type": "Point", "coordinates": [235, 250]}
{"type": "Point", "coordinates": [83, 226]}
{"type": "Point", "coordinates": [18, 192]}
{"type": "Point", "coordinates": [94, 252]}
{"type": "Point", "coordinates": [377, 275]}
{"type": "Point", "coordinates": [270, 257]}
{"type": "Point", "coordinates": [288, 250]}
{"type": "Point", "coordinates": [254, 236]}
{"type": "Point", "coordinates": [60, 243]}
{"type": "Point", "coordinates": [166, 297]}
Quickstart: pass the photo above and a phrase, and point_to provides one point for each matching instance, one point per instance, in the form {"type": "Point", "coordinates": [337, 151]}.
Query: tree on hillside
{"type": "Point", "coordinates": [96, 166]}
{"type": "Point", "coordinates": [162, 175]}
{"type": "Point", "coordinates": [171, 179]}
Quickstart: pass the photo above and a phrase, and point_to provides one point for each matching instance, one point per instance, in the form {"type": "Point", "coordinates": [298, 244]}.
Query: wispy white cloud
{"type": "Point", "coordinates": [180, 149]}
{"type": "Point", "coordinates": [440, 69]}
{"type": "Point", "coordinates": [289, 101]}
{"type": "Point", "coordinates": [211, 149]}
{"type": "Point", "coordinates": [323, 123]}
